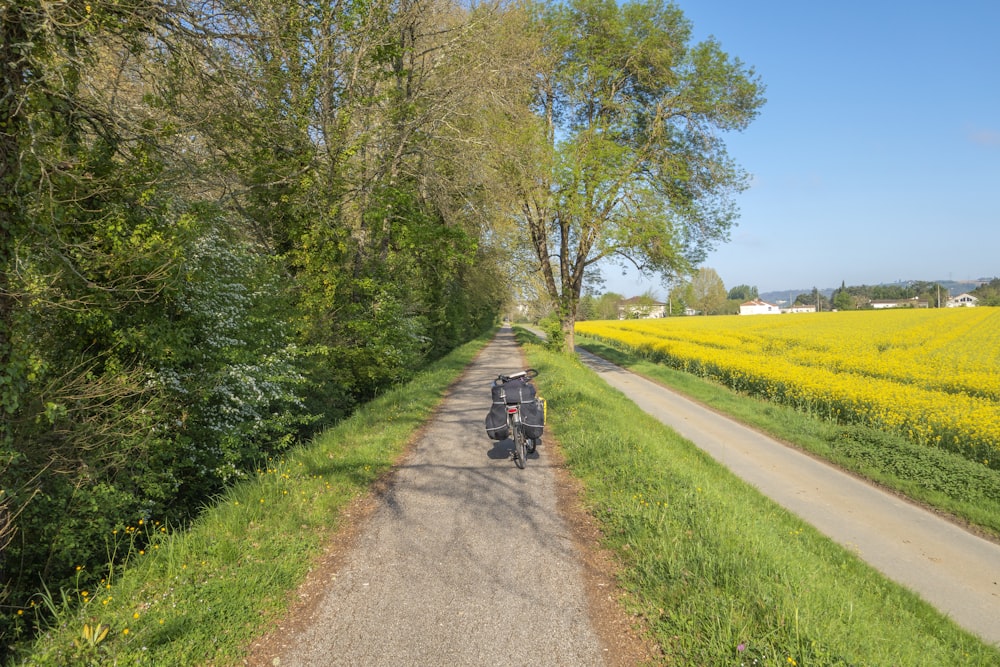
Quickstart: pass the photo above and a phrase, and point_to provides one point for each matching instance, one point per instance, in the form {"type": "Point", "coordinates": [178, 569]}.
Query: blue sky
{"type": "Point", "coordinates": [877, 155]}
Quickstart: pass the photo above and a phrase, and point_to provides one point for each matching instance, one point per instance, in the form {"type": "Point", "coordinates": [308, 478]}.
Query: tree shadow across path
{"type": "Point", "coordinates": [461, 558]}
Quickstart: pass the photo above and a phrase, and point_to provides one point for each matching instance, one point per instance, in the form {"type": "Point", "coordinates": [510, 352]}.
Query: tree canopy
{"type": "Point", "coordinates": [707, 292]}
{"type": "Point", "coordinates": [631, 166]}
{"type": "Point", "coordinates": [224, 224]}
{"type": "Point", "coordinates": [743, 293]}
{"type": "Point", "coordinates": [988, 293]}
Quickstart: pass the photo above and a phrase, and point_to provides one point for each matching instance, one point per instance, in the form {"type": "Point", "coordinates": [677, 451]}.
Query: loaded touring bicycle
{"type": "Point", "coordinates": [517, 413]}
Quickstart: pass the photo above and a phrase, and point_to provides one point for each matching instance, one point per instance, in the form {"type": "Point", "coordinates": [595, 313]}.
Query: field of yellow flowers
{"type": "Point", "coordinates": [930, 375]}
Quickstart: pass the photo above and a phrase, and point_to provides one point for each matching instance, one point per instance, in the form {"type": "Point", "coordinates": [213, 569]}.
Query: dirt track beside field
{"type": "Point", "coordinates": [951, 568]}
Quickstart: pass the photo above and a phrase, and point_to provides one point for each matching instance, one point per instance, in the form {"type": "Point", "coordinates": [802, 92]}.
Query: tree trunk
{"type": "Point", "coordinates": [569, 335]}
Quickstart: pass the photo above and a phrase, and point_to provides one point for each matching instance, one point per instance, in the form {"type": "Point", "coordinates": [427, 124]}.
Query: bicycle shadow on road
{"type": "Point", "coordinates": [504, 449]}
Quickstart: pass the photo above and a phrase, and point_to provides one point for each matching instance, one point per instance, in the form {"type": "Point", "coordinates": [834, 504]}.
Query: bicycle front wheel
{"type": "Point", "coordinates": [520, 447]}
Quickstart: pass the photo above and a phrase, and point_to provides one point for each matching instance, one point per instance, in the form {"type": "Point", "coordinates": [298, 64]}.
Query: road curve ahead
{"type": "Point", "coordinates": [954, 570]}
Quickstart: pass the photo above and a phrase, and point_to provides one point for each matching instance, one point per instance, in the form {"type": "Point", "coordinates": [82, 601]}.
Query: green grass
{"type": "Point", "coordinates": [943, 480]}
{"type": "Point", "coordinates": [202, 595]}
{"type": "Point", "coordinates": [708, 562]}
{"type": "Point", "coordinates": [715, 567]}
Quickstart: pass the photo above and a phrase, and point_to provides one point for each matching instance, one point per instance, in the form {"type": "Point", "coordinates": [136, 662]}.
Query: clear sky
{"type": "Point", "coordinates": [877, 155]}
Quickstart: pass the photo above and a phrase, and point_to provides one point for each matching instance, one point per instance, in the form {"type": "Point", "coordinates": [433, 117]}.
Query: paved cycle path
{"type": "Point", "coordinates": [464, 561]}
{"type": "Point", "coordinates": [954, 570]}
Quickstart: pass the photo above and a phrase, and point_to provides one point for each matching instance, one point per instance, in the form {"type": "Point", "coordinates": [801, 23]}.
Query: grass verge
{"type": "Point", "coordinates": [723, 575]}
{"type": "Point", "coordinates": [939, 479]}
{"type": "Point", "coordinates": [202, 595]}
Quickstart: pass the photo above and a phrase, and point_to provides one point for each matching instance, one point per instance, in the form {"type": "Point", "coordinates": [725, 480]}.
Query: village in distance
{"type": "Point", "coordinates": [705, 294]}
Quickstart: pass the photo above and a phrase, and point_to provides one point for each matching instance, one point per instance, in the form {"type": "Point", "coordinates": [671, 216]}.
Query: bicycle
{"type": "Point", "coordinates": [513, 394]}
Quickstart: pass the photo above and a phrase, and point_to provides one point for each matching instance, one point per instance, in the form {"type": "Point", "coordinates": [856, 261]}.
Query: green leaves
{"type": "Point", "coordinates": [221, 231]}
{"type": "Point", "coordinates": [633, 114]}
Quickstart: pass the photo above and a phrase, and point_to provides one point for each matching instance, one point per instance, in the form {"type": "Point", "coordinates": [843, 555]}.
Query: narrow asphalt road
{"type": "Point", "coordinates": [465, 559]}
{"type": "Point", "coordinates": [952, 569]}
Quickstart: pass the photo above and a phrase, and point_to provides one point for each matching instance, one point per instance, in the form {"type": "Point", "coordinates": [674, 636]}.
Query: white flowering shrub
{"type": "Point", "coordinates": [236, 378]}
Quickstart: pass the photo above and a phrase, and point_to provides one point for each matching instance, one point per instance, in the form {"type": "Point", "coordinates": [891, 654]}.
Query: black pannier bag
{"type": "Point", "coordinates": [533, 418]}
{"type": "Point", "coordinates": [513, 392]}
{"type": "Point", "coordinates": [496, 422]}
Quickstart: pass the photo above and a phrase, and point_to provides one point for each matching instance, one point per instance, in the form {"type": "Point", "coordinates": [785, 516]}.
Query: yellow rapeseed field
{"type": "Point", "coordinates": [931, 375]}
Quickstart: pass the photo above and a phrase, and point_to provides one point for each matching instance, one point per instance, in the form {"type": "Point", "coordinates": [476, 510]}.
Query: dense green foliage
{"type": "Point", "coordinates": [631, 168]}
{"type": "Point", "coordinates": [988, 293]}
{"type": "Point", "coordinates": [854, 297]}
{"type": "Point", "coordinates": [222, 226]}
{"type": "Point", "coordinates": [743, 293]}
{"type": "Point", "coordinates": [203, 595]}
{"type": "Point", "coordinates": [603, 307]}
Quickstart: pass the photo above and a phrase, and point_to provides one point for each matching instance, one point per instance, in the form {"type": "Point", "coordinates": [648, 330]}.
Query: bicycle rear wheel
{"type": "Point", "coordinates": [520, 447]}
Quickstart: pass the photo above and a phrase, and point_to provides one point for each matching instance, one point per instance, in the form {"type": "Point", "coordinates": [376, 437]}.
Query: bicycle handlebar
{"type": "Point", "coordinates": [528, 373]}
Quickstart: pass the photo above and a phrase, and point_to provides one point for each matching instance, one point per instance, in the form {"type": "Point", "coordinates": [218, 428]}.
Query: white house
{"type": "Point", "coordinates": [962, 301]}
{"type": "Point", "coordinates": [758, 307]}
{"type": "Point", "coordinates": [915, 302]}
{"type": "Point", "coordinates": [642, 308]}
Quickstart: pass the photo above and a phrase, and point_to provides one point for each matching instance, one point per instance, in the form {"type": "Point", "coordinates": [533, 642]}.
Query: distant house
{"type": "Point", "coordinates": [758, 307]}
{"type": "Point", "coordinates": [962, 301]}
{"type": "Point", "coordinates": [641, 308]}
{"type": "Point", "coordinates": [800, 308]}
{"type": "Point", "coordinates": [899, 303]}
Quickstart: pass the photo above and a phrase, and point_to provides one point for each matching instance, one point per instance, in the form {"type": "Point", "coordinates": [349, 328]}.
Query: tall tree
{"type": "Point", "coordinates": [628, 162]}
{"type": "Point", "coordinates": [842, 299]}
{"type": "Point", "coordinates": [708, 292]}
{"type": "Point", "coordinates": [743, 293]}
{"type": "Point", "coordinates": [813, 298]}
{"type": "Point", "coordinates": [607, 306]}
{"type": "Point", "coordinates": [988, 293]}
